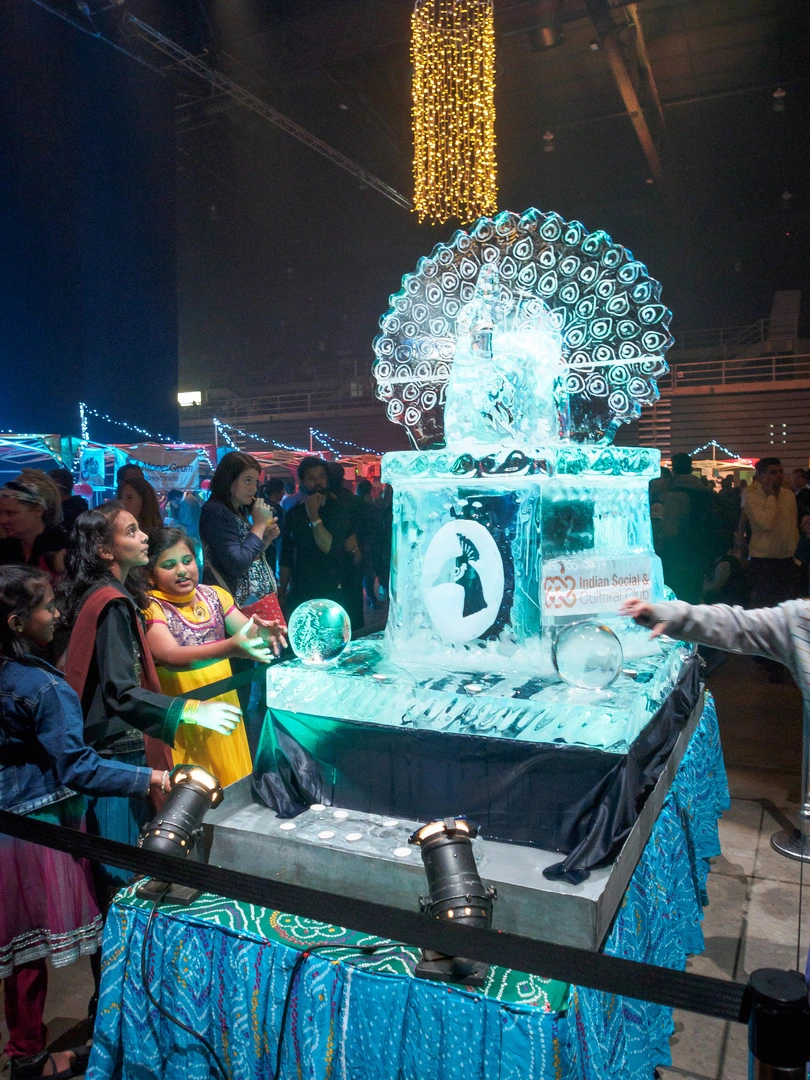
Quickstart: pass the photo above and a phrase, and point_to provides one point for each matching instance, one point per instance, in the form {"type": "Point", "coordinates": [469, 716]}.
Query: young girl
{"type": "Point", "coordinates": [192, 629]}
{"type": "Point", "coordinates": [110, 667]}
{"type": "Point", "coordinates": [47, 904]}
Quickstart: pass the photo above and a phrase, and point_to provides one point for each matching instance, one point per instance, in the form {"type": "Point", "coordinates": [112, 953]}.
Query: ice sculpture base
{"type": "Point", "coordinates": [378, 865]}
{"type": "Point", "coordinates": [366, 686]}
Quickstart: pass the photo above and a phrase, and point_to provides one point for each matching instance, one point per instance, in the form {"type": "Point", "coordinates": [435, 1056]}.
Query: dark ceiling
{"type": "Point", "coordinates": [285, 258]}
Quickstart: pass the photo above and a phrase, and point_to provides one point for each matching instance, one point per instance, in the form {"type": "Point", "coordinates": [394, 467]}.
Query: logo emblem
{"type": "Point", "coordinates": [462, 581]}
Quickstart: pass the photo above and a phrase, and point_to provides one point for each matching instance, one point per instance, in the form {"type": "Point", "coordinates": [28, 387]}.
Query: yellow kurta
{"type": "Point", "coordinates": [200, 620]}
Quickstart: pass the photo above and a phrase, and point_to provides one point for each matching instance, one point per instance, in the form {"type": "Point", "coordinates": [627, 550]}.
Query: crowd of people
{"type": "Point", "coordinates": [109, 616]}
{"type": "Point", "coordinates": [746, 544]}
{"type": "Point", "coordinates": [105, 623]}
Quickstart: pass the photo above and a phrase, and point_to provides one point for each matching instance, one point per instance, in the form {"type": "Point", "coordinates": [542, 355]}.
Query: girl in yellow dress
{"type": "Point", "coordinates": [192, 630]}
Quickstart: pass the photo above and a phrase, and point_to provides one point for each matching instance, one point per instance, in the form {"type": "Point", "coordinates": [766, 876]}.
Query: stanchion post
{"type": "Point", "coordinates": [795, 843]}
{"type": "Point", "coordinates": [778, 1016]}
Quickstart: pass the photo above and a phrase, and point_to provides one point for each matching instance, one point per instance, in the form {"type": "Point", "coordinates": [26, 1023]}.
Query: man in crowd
{"type": "Point", "coordinates": [273, 493]}
{"type": "Point", "coordinates": [72, 505]}
{"type": "Point", "coordinates": [313, 544]}
{"type": "Point", "coordinates": [770, 508]}
{"type": "Point", "coordinates": [802, 493]}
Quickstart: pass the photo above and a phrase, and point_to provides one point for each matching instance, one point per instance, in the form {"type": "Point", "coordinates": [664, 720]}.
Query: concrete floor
{"type": "Point", "coordinates": [752, 918]}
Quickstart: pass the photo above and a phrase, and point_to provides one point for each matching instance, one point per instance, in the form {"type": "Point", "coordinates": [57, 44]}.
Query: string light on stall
{"type": "Point", "coordinates": [716, 445]}
{"type": "Point", "coordinates": [224, 430]}
{"type": "Point", "coordinates": [453, 57]}
{"type": "Point", "coordinates": [325, 438]}
{"type": "Point", "coordinates": [85, 411]}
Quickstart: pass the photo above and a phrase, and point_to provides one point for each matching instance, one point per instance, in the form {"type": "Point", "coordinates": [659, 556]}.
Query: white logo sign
{"type": "Point", "coordinates": [462, 580]}
{"type": "Point", "coordinates": [594, 586]}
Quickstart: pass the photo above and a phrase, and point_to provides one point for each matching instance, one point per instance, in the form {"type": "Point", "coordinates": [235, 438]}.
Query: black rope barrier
{"type": "Point", "coordinates": [611, 974]}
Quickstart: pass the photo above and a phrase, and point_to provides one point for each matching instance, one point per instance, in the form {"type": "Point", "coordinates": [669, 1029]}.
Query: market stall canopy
{"type": "Point", "coordinates": [18, 452]}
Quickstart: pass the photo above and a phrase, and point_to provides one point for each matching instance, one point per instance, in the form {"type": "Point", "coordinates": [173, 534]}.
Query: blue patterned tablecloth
{"type": "Point", "coordinates": [226, 979]}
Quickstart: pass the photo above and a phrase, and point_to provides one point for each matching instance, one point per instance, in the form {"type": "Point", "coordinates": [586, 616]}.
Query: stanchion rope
{"type": "Point", "coordinates": [611, 974]}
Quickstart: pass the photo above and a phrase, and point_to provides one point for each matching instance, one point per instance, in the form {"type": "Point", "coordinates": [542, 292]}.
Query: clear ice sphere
{"type": "Point", "coordinates": [588, 655]}
{"type": "Point", "coordinates": [319, 631]}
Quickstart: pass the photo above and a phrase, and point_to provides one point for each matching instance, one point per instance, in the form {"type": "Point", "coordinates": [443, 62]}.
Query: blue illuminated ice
{"type": "Point", "coordinates": [511, 356]}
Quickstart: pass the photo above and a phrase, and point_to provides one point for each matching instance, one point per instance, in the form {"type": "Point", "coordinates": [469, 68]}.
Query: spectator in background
{"type": "Point", "coordinates": [171, 509]}
{"type": "Point", "coordinates": [293, 498]}
{"type": "Point", "coordinates": [802, 493]}
{"type": "Point", "coordinates": [770, 508]}
{"type": "Point", "coordinates": [30, 517]}
{"type": "Point", "coordinates": [138, 497]}
{"type": "Point", "coordinates": [126, 471]}
{"type": "Point", "coordinates": [368, 527]}
{"type": "Point", "coordinates": [273, 494]}
{"type": "Point", "coordinates": [314, 541]}
{"type": "Point", "coordinates": [352, 578]}
{"type": "Point", "coordinates": [72, 505]}
{"type": "Point", "coordinates": [189, 514]}
{"type": "Point", "coordinates": [727, 509]}
{"type": "Point", "coordinates": [686, 531]}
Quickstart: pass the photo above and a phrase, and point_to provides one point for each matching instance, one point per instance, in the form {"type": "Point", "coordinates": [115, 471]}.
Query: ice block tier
{"type": "Point", "coordinates": [491, 552]}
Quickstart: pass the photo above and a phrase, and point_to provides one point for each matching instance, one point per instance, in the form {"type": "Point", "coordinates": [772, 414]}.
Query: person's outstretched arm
{"type": "Point", "coordinates": [761, 632]}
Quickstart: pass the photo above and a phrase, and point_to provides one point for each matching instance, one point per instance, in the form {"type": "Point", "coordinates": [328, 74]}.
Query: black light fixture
{"type": "Point", "coordinates": [455, 892]}
{"type": "Point", "coordinates": [174, 829]}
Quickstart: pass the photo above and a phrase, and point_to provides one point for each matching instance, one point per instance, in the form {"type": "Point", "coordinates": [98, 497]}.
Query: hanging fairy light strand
{"type": "Point", "coordinates": [85, 412]}
{"type": "Point", "coordinates": [225, 429]}
{"type": "Point", "coordinates": [453, 56]}
{"type": "Point", "coordinates": [718, 446]}
{"type": "Point", "coordinates": [329, 442]}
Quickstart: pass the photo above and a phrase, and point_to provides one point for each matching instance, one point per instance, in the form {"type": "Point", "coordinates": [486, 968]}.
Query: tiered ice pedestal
{"type": "Point", "coordinates": [458, 708]}
{"type": "Point", "coordinates": [351, 853]}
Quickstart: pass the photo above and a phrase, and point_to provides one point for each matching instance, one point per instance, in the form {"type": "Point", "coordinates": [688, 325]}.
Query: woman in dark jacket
{"type": "Point", "coordinates": [47, 905]}
{"type": "Point", "coordinates": [236, 528]}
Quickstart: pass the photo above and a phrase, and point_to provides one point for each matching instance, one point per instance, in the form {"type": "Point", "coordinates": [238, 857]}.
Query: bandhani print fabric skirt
{"type": "Point", "coordinates": [47, 901]}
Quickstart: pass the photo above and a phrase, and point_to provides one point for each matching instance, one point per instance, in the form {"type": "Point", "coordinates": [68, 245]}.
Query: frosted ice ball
{"type": "Point", "coordinates": [588, 655]}
{"type": "Point", "coordinates": [319, 631]}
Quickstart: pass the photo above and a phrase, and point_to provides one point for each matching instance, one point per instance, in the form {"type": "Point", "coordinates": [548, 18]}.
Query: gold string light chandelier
{"type": "Point", "coordinates": [453, 56]}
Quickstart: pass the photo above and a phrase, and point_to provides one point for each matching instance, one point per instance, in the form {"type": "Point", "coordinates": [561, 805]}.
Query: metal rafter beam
{"type": "Point", "coordinates": [644, 60]}
{"type": "Point", "coordinates": [188, 62]}
{"type": "Point", "coordinates": [606, 33]}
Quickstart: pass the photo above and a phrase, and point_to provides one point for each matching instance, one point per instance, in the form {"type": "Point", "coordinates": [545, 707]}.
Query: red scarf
{"type": "Point", "coordinates": [80, 656]}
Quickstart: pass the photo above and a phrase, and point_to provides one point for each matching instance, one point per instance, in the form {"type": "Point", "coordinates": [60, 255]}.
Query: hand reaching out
{"type": "Point", "coordinates": [272, 632]}
{"type": "Point", "coordinates": [248, 643]}
{"type": "Point", "coordinates": [641, 613]}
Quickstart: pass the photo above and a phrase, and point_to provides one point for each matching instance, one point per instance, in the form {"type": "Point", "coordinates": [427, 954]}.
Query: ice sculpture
{"type": "Point", "coordinates": [601, 301]}
{"type": "Point", "coordinates": [511, 356]}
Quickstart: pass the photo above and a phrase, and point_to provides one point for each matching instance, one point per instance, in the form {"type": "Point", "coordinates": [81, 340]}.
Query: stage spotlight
{"type": "Point", "coordinates": [455, 892]}
{"type": "Point", "coordinates": [174, 829]}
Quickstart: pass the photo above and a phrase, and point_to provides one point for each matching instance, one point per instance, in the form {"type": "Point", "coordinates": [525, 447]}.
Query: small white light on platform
{"type": "Point", "coordinates": [402, 852]}
{"type": "Point", "coordinates": [390, 822]}
{"type": "Point", "coordinates": [352, 836]}
{"type": "Point", "coordinates": [317, 807]}
{"type": "Point", "coordinates": [288, 826]}
{"type": "Point", "coordinates": [326, 834]}
{"type": "Point", "coordinates": [473, 687]}
{"type": "Point", "coordinates": [340, 814]}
